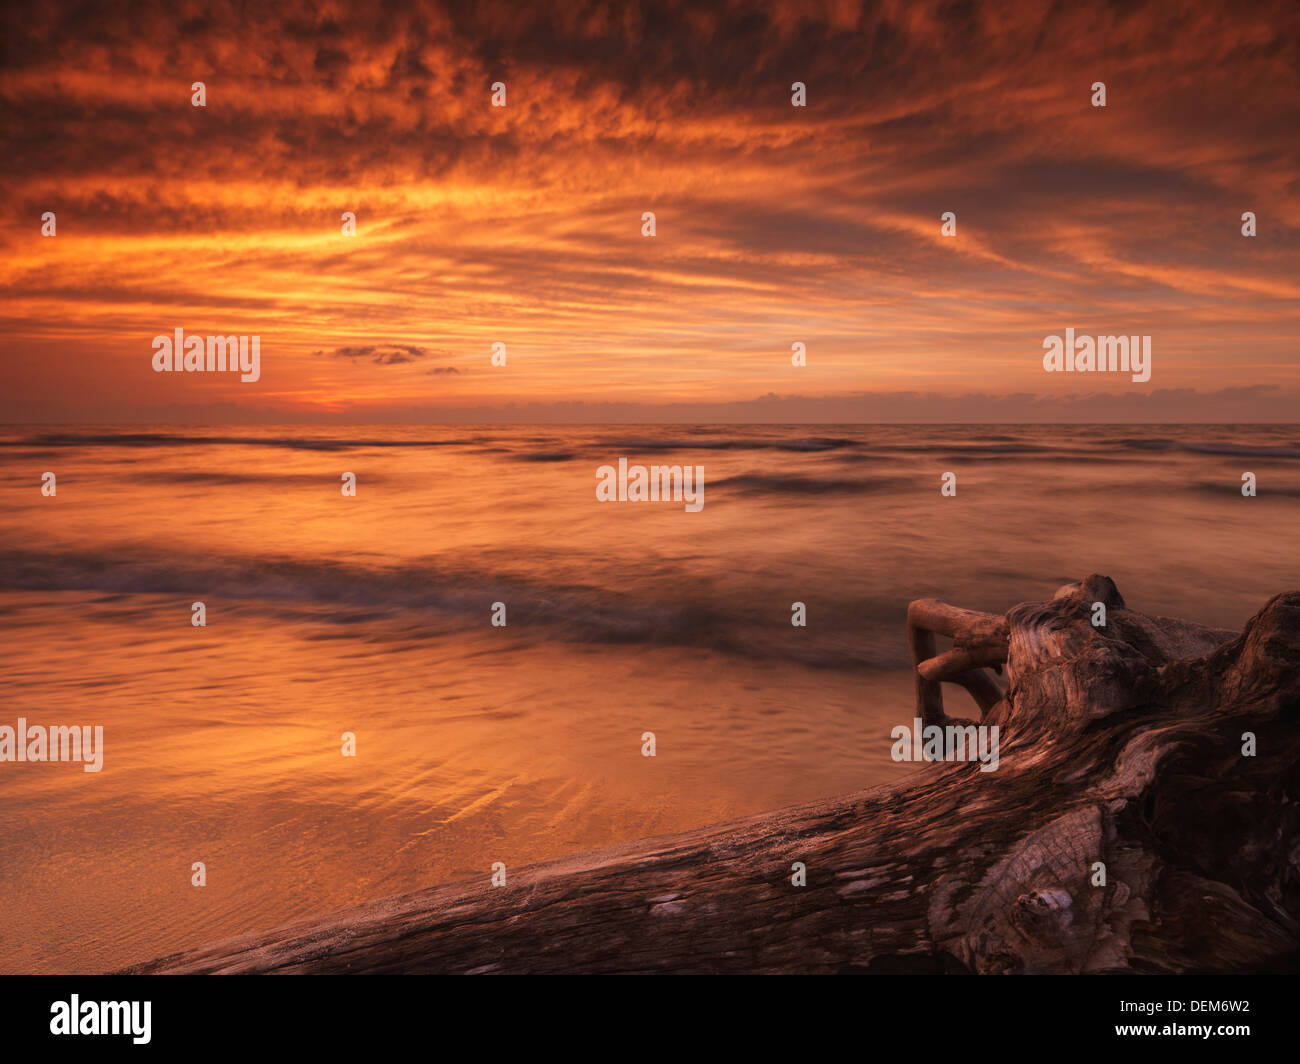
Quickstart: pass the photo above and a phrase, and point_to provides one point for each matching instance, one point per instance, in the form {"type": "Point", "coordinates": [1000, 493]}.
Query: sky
{"type": "Point", "coordinates": [774, 224]}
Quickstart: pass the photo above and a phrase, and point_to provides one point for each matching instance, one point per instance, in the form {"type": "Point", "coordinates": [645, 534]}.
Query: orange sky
{"type": "Point", "coordinates": [775, 224]}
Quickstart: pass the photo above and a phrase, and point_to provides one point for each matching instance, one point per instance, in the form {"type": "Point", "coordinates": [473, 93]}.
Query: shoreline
{"type": "Point", "coordinates": [1085, 852]}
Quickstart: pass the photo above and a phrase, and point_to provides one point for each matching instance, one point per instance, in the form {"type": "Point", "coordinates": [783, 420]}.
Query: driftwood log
{"type": "Point", "coordinates": [1121, 746]}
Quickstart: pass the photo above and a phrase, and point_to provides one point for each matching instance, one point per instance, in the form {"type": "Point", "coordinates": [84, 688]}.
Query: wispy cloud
{"type": "Point", "coordinates": [521, 225]}
{"type": "Point", "coordinates": [378, 354]}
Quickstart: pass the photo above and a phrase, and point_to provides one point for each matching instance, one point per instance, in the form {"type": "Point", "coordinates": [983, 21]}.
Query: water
{"type": "Point", "coordinates": [477, 744]}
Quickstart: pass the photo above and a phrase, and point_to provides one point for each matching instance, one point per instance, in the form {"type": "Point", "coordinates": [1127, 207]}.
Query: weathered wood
{"type": "Point", "coordinates": [981, 687]}
{"type": "Point", "coordinates": [957, 621]}
{"type": "Point", "coordinates": [980, 640]}
{"type": "Point", "coordinates": [958, 661]}
{"type": "Point", "coordinates": [929, 692]}
{"type": "Point", "coordinates": [1120, 746]}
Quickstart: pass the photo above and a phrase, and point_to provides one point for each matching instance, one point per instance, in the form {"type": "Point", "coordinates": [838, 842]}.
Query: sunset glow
{"type": "Point", "coordinates": [775, 224]}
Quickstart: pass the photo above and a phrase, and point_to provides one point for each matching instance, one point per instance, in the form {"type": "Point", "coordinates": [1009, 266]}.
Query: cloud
{"type": "Point", "coordinates": [380, 355]}
{"type": "Point", "coordinates": [521, 225]}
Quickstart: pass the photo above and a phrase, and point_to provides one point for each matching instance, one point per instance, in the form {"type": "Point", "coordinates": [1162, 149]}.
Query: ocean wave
{"type": "Point", "coordinates": [362, 598]}
{"type": "Point", "coordinates": [811, 444]}
{"type": "Point", "coordinates": [163, 439]}
{"type": "Point", "coordinates": [1227, 450]}
{"type": "Point", "coordinates": [967, 447]}
{"type": "Point", "coordinates": [787, 484]}
{"type": "Point", "coordinates": [1233, 487]}
{"type": "Point", "coordinates": [199, 478]}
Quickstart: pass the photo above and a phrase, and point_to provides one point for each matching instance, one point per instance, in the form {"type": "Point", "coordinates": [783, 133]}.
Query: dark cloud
{"type": "Point", "coordinates": [379, 354]}
{"type": "Point", "coordinates": [520, 224]}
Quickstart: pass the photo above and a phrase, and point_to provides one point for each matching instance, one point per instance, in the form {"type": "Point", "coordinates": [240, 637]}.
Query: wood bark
{"type": "Point", "coordinates": [1121, 746]}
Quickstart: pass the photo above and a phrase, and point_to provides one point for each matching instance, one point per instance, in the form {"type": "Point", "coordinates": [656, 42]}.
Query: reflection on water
{"type": "Point", "coordinates": [476, 744]}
